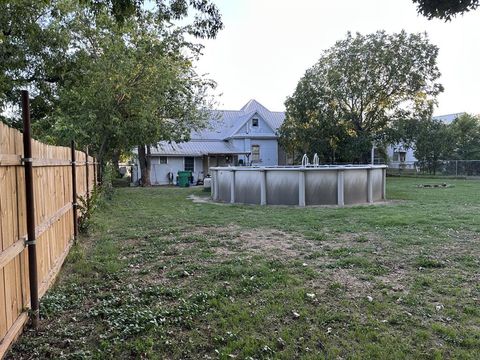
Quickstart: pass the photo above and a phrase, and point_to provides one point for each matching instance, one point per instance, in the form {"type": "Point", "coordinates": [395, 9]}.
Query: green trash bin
{"type": "Point", "coordinates": [184, 178]}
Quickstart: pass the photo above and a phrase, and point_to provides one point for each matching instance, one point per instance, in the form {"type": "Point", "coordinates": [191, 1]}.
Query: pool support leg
{"type": "Point", "coordinates": [301, 188]}
{"type": "Point", "coordinates": [340, 188]}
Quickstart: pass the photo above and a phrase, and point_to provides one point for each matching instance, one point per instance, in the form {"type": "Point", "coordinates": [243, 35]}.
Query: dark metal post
{"type": "Point", "coordinates": [87, 199]}
{"type": "Point", "coordinates": [74, 192]}
{"type": "Point", "coordinates": [30, 204]}
{"type": "Point", "coordinates": [94, 172]}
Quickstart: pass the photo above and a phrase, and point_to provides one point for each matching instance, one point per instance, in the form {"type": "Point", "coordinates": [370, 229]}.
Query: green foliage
{"type": "Point", "coordinates": [111, 74]}
{"type": "Point", "coordinates": [108, 176]}
{"type": "Point", "coordinates": [466, 134]}
{"type": "Point", "coordinates": [133, 92]}
{"type": "Point", "coordinates": [205, 14]}
{"type": "Point", "coordinates": [99, 196]}
{"type": "Point", "coordinates": [445, 9]}
{"type": "Point", "coordinates": [87, 207]}
{"type": "Point", "coordinates": [360, 87]}
{"type": "Point", "coordinates": [433, 142]}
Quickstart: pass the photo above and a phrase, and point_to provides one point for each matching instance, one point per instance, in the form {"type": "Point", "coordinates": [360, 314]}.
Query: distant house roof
{"type": "Point", "coordinates": [447, 119]}
{"type": "Point", "coordinates": [222, 125]}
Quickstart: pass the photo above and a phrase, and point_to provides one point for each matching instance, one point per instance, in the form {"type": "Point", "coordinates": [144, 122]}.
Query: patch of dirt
{"type": "Point", "coordinates": [343, 280]}
{"type": "Point", "coordinates": [269, 242]}
{"type": "Point", "coordinates": [232, 240]}
{"type": "Point", "coordinates": [395, 280]}
{"type": "Point", "coordinates": [341, 240]}
{"type": "Point", "coordinates": [354, 286]}
{"type": "Point", "coordinates": [273, 242]}
{"type": "Point", "coordinates": [278, 244]}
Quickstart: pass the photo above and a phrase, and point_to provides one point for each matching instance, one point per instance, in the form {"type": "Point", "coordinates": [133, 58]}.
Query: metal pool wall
{"type": "Point", "coordinates": [302, 186]}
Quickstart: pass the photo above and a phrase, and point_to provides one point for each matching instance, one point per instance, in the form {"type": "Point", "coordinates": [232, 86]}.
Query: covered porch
{"type": "Point", "coordinates": [222, 159]}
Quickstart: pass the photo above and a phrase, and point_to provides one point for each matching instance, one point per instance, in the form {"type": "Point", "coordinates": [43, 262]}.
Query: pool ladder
{"type": "Point", "coordinates": [306, 162]}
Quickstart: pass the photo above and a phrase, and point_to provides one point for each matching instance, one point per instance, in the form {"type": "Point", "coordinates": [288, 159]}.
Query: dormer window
{"type": "Point", "coordinates": [255, 122]}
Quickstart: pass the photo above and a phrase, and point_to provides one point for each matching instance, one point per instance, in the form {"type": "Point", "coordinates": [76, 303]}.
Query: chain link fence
{"type": "Point", "coordinates": [461, 168]}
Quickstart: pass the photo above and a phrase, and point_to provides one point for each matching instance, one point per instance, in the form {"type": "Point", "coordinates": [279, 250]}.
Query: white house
{"type": "Point", "coordinates": [242, 137]}
{"type": "Point", "coordinates": [400, 156]}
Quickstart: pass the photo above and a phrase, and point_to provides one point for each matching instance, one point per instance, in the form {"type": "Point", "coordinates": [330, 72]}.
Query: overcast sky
{"type": "Point", "coordinates": [267, 45]}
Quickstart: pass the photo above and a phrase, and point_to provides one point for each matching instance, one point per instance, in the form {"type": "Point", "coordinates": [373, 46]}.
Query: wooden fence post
{"type": "Point", "coordinates": [30, 211]}
{"type": "Point", "coordinates": [74, 192]}
{"type": "Point", "coordinates": [99, 172]}
{"type": "Point", "coordinates": [94, 173]}
{"type": "Point", "coordinates": [87, 197]}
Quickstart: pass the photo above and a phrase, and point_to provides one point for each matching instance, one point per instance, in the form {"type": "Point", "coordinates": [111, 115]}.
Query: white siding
{"type": "Point", "coordinates": [159, 172]}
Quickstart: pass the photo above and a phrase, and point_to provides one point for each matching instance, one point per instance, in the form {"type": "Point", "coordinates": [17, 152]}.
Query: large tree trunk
{"type": "Point", "coordinates": [116, 162]}
{"type": "Point", "coordinates": [101, 160]}
{"type": "Point", "coordinates": [145, 162]}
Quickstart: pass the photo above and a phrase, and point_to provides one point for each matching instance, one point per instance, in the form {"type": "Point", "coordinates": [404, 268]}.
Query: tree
{"type": "Point", "coordinates": [445, 9]}
{"type": "Point", "coordinates": [206, 17]}
{"type": "Point", "coordinates": [433, 142]}
{"type": "Point", "coordinates": [34, 47]}
{"type": "Point", "coordinates": [361, 86]}
{"type": "Point", "coordinates": [38, 46]}
{"type": "Point", "coordinates": [137, 87]}
{"type": "Point", "coordinates": [466, 134]}
{"type": "Point", "coordinates": [110, 81]}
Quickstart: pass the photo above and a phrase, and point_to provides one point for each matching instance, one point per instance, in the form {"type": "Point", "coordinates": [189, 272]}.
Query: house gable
{"type": "Point", "coordinates": [254, 125]}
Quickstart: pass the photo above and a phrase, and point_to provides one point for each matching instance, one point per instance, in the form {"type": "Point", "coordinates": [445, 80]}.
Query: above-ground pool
{"type": "Point", "coordinates": [299, 185]}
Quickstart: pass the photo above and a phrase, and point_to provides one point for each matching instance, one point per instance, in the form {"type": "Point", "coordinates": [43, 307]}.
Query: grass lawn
{"type": "Point", "coordinates": [160, 276]}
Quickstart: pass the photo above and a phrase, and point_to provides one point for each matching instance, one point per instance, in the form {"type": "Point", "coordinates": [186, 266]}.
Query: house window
{"type": "Point", "coordinates": [255, 122]}
{"type": "Point", "coordinates": [399, 156]}
{"type": "Point", "coordinates": [255, 153]}
{"type": "Point", "coordinates": [163, 160]}
{"type": "Point", "coordinates": [189, 163]}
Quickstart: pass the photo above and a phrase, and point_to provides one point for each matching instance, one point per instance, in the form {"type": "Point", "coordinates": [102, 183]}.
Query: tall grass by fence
{"type": "Point", "coordinates": [54, 221]}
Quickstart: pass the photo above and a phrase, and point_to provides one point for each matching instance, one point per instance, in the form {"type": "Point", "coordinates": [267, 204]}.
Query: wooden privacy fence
{"type": "Point", "coordinates": [55, 179]}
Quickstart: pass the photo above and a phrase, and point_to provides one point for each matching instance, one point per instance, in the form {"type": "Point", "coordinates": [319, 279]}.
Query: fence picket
{"type": "Point", "coordinates": [53, 195]}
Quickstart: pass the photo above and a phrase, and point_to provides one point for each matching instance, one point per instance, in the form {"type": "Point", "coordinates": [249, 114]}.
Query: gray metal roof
{"type": "Point", "coordinates": [194, 148]}
{"type": "Point", "coordinates": [224, 123]}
